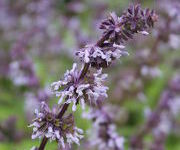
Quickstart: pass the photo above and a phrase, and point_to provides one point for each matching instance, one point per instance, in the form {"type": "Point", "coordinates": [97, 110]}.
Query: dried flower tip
{"type": "Point", "coordinates": [134, 19]}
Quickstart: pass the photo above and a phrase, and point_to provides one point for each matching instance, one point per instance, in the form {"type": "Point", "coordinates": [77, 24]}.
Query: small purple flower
{"type": "Point", "coordinates": [134, 20]}
{"type": "Point", "coordinates": [62, 130]}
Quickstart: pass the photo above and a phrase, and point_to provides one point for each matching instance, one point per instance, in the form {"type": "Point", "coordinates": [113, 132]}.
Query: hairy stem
{"type": "Point", "coordinates": [43, 143]}
{"type": "Point", "coordinates": [63, 110]}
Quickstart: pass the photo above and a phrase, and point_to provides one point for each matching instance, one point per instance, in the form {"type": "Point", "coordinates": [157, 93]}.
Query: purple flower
{"type": "Point", "coordinates": [116, 31]}
{"type": "Point", "coordinates": [22, 73]}
{"type": "Point", "coordinates": [134, 20]}
{"type": "Point", "coordinates": [86, 90]}
{"type": "Point", "coordinates": [62, 130]}
{"type": "Point", "coordinates": [103, 134]}
{"type": "Point", "coordinates": [151, 71]}
{"type": "Point", "coordinates": [87, 85]}
{"type": "Point", "coordinates": [101, 57]}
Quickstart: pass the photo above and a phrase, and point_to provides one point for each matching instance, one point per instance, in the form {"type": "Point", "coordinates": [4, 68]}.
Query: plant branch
{"type": "Point", "coordinates": [83, 73]}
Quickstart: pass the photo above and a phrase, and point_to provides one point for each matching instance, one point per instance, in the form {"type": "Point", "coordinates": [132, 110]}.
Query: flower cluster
{"type": "Point", "coordinates": [62, 130]}
{"type": "Point", "coordinates": [87, 90]}
{"type": "Point", "coordinates": [145, 65]}
{"type": "Point", "coordinates": [133, 20]}
{"type": "Point", "coordinates": [101, 57]}
{"type": "Point", "coordinates": [116, 31]}
{"type": "Point", "coordinates": [22, 73]}
{"type": "Point", "coordinates": [150, 71]}
{"type": "Point", "coordinates": [104, 133]}
{"type": "Point", "coordinates": [33, 100]}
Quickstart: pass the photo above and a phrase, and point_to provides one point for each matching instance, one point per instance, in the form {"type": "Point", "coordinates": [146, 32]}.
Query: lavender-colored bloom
{"type": "Point", "coordinates": [22, 73]}
{"type": "Point", "coordinates": [175, 105]}
{"type": "Point", "coordinates": [133, 20]}
{"type": "Point", "coordinates": [86, 90]}
{"type": "Point", "coordinates": [17, 75]}
{"type": "Point", "coordinates": [100, 57]}
{"type": "Point", "coordinates": [62, 130]}
{"type": "Point", "coordinates": [86, 85]}
{"type": "Point", "coordinates": [174, 41]}
{"type": "Point", "coordinates": [175, 83]}
{"type": "Point", "coordinates": [33, 101]}
{"type": "Point", "coordinates": [151, 71]}
{"type": "Point", "coordinates": [164, 125]}
{"type": "Point", "coordinates": [103, 134]}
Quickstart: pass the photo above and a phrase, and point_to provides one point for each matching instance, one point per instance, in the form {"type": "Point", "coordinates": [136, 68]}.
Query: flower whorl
{"type": "Point", "coordinates": [49, 125]}
{"type": "Point", "coordinates": [101, 57]}
{"type": "Point", "coordinates": [133, 20]}
{"type": "Point", "coordinates": [78, 90]}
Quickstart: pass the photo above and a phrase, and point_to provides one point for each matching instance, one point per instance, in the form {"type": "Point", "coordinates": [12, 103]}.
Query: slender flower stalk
{"type": "Point", "coordinates": [87, 85]}
{"type": "Point", "coordinates": [160, 121]}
